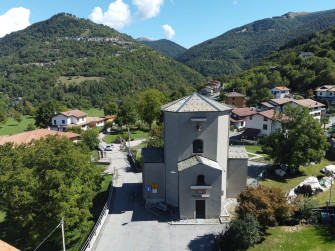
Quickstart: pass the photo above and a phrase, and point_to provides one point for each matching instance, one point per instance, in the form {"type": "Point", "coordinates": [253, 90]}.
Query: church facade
{"type": "Point", "coordinates": [192, 171]}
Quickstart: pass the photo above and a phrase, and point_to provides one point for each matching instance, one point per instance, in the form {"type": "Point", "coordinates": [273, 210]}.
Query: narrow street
{"type": "Point", "coordinates": [129, 226]}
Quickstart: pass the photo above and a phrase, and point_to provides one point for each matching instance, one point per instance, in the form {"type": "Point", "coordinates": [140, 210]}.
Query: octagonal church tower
{"type": "Point", "coordinates": [190, 172]}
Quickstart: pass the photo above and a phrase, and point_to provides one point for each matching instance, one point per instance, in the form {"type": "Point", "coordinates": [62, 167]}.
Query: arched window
{"type": "Point", "coordinates": [201, 180]}
{"type": "Point", "coordinates": [198, 146]}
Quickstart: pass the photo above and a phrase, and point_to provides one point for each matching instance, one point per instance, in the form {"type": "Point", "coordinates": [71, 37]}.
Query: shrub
{"type": "Point", "coordinates": [231, 128]}
{"type": "Point", "coordinates": [268, 205]}
{"type": "Point", "coordinates": [242, 234]}
{"type": "Point", "coordinates": [306, 213]}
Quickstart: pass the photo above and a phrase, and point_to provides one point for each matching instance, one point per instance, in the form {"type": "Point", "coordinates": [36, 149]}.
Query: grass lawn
{"type": "Point", "coordinates": [300, 237]}
{"type": "Point", "coordinates": [287, 183]}
{"type": "Point", "coordinates": [257, 149]}
{"type": "Point", "coordinates": [13, 127]}
{"type": "Point", "coordinates": [94, 112]}
{"type": "Point", "coordinates": [2, 216]}
{"type": "Point", "coordinates": [135, 134]}
{"type": "Point", "coordinates": [76, 79]}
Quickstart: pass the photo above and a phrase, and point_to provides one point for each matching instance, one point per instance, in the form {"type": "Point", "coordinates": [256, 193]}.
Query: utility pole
{"type": "Point", "coordinates": [129, 151]}
{"type": "Point", "coordinates": [63, 235]}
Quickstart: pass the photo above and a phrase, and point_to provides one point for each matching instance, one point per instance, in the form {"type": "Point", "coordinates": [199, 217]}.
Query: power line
{"type": "Point", "coordinates": [61, 223]}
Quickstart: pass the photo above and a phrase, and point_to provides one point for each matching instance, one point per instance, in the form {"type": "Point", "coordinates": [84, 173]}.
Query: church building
{"type": "Point", "coordinates": [196, 170]}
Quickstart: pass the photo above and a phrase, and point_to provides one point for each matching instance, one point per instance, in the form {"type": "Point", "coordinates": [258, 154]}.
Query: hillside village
{"type": "Point", "coordinates": [218, 163]}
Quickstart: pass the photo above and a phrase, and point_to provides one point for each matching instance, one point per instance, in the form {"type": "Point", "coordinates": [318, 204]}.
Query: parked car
{"type": "Point", "coordinates": [109, 147]}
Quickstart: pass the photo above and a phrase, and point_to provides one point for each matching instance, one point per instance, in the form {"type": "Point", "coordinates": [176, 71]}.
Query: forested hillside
{"type": "Point", "coordinates": [83, 64]}
{"type": "Point", "coordinates": [286, 67]}
{"type": "Point", "coordinates": [239, 48]}
{"type": "Point", "coordinates": [165, 46]}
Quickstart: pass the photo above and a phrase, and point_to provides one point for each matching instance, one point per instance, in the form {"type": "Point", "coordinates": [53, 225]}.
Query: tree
{"type": "Point", "coordinates": [242, 234]}
{"type": "Point", "coordinates": [156, 137]}
{"type": "Point", "coordinates": [301, 134]}
{"type": "Point", "coordinates": [324, 121]}
{"type": "Point", "coordinates": [46, 111]}
{"type": "Point", "coordinates": [260, 96]}
{"type": "Point", "coordinates": [31, 127]}
{"type": "Point", "coordinates": [127, 114]}
{"type": "Point", "coordinates": [17, 116]}
{"type": "Point", "coordinates": [267, 204]}
{"type": "Point", "coordinates": [90, 138]}
{"type": "Point", "coordinates": [149, 104]}
{"type": "Point", "coordinates": [3, 112]}
{"type": "Point", "coordinates": [110, 109]}
{"type": "Point", "coordinates": [45, 180]}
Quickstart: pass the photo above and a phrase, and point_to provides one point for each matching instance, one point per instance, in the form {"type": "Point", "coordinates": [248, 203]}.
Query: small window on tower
{"type": "Point", "coordinates": [201, 180]}
{"type": "Point", "coordinates": [198, 146]}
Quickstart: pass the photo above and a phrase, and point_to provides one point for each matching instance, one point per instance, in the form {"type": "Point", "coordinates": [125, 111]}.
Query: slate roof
{"type": "Point", "coordinates": [195, 103]}
{"type": "Point", "coordinates": [153, 155]}
{"type": "Point", "coordinates": [234, 94]}
{"type": "Point", "coordinates": [281, 101]}
{"type": "Point", "coordinates": [74, 113]}
{"type": "Point", "coordinates": [326, 88]}
{"type": "Point", "coordinates": [237, 152]}
{"type": "Point", "coordinates": [309, 103]}
{"type": "Point", "coordinates": [196, 160]}
{"type": "Point", "coordinates": [26, 137]}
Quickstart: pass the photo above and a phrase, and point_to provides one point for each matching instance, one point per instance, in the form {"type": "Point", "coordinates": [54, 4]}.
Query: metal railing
{"type": "Point", "coordinates": [95, 231]}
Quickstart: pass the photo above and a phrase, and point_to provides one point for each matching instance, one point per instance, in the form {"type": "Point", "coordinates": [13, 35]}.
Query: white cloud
{"type": "Point", "coordinates": [117, 15]}
{"type": "Point", "coordinates": [147, 8]}
{"type": "Point", "coordinates": [169, 32]}
{"type": "Point", "coordinates": [13, 20]}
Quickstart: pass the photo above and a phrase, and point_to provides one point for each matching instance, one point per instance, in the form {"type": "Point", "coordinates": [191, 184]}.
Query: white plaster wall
{"type": "Point", "coordinates": [59, 119]}
{"type": "Point", "coordinates": [257, 122]}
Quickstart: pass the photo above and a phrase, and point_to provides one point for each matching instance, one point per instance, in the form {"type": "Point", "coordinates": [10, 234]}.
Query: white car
{"type": "Point", "coordinates": [109, 147]}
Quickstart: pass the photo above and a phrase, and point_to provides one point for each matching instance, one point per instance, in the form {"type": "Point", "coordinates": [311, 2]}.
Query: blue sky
{"type": "Point", "coordinates": [186, 22]}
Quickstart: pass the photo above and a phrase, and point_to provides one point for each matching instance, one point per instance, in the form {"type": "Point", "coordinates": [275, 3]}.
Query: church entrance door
{"type": "Point", "coordinates": [200, 206]}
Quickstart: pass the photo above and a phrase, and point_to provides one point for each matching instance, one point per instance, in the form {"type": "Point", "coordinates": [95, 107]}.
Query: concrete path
{"type": "Point", "coordinates": [130, 227]}
{"type": "Point", "coordinates": [256, 156]}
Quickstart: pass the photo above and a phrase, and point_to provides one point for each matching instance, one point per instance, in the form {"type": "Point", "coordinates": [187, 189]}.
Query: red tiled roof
{"type": "Point", "coordinates": [26, 137]}
{"type": "Point", "coordinates": [6, 247]}
{"type": "Point", "coordinates": [94, 119]}
{"type": "Point", "coordinates": [74, 113]}
{"type": "Point", "coordinates": [236, 120]}
{"type": "Point", "coordinates": [243, 112]}
{"type": "Point", "coordinates": [282, 88]}
{"type": "Point", "coordinates": [273, 115]}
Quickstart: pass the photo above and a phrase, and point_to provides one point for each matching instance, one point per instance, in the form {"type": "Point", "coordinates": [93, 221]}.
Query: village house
{"type": "Point", "coordinates": [262, 123]}
{"type": "Point", "coordinates": [196, 170]}
{"type": "Point", "coordinates": [313, 106]}
{"type": "Point", "coordinates": [238, 116]}
{"type": "Point", "coordinates": [280, 92]}
{"type": "Point", "coordinates": [74, 118]}
{"type": "Point", "coordinates": [214, 85]}
{"type": "Point", "coordinates": [306, 54]}
{"type": "Point", "coordinates": [26, 137]}
{"type": "Point", "coordinates": [235, 99]}
{"type": "Point", "coordinates": [326, 92]}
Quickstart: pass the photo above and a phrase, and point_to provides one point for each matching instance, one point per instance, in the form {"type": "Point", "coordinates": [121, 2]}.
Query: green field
{"type": "Point", "coordinates": [300, 237]}
{"type": "Point", "coordinates": [75, 79]}
{"type": "Point", "coordinates": [94, 112]}
{"type": "Point", "coordinates": [13, 127]}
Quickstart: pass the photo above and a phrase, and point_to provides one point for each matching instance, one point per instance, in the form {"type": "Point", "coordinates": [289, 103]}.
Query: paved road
{"type": "Point", "coordinates": [130, 227]}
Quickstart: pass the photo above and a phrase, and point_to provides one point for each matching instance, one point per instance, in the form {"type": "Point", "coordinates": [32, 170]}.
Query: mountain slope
{"type": "Point", "coordinates": [164, 46]}
{"type": "Point", "coordinates": [237, 49]}
{"type": "Point", "coordinates": [285, 67]}
{"type": "Point", "coordinates": [81, 63]}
